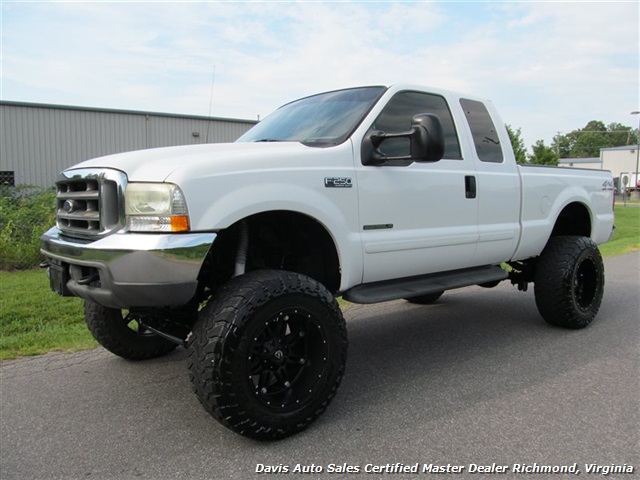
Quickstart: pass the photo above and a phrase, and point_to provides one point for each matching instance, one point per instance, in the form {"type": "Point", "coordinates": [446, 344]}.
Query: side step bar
{"type": "Point", "coordinates": [423, 284]}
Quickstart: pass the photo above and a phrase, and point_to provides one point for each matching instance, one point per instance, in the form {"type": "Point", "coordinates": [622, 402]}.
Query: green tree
{"type": "Point", "coordinates": [622, 135]}
{"type": "Point", "coordinates": [517, 143]}
{"type": "Point", "coordinates": [586, 142]}
{"type": "Point", "coordinates": [562, 144]}
{"type": "Point", "coordinates": [543, 155]}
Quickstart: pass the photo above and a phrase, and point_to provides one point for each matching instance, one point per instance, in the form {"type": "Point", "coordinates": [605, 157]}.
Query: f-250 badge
{"type": "Point", "coordinates": [338, 182]}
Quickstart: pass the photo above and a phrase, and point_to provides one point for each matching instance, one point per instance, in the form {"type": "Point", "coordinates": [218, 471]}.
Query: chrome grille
{"type": "Point", "coordinates": [90, 202]}
{"type": "Point", "coordinates": [79, 206]}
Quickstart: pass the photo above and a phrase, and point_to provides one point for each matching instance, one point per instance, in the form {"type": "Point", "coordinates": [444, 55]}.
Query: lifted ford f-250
{"type": "Point", "coordinates": [237, 251]}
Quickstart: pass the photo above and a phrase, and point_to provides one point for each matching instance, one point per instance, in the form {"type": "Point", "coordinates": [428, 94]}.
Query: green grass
{"type": "Point", "coordinates": [34, 320]}
{"type": "Point", "coordinates": [626, 237]}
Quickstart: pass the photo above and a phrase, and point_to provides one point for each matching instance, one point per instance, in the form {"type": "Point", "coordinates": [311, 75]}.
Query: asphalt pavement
{"type": "Point", "coordinates": [476, 379]}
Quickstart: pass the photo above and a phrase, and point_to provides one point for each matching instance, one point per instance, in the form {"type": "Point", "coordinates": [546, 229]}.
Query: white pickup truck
{"type": "Point", "coordinates": [238, 251]}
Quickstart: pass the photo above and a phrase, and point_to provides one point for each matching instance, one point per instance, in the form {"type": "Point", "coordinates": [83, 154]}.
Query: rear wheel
{"type": "Point", "coordinates": [119, 332]}
{"type": "Point", "coordinates": [569, 281]}
{"type": "Point", "coordinates": [268, 353]}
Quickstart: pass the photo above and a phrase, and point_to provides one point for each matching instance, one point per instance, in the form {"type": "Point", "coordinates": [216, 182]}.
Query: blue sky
{"type": "Point", "coordinates": [548, 66]}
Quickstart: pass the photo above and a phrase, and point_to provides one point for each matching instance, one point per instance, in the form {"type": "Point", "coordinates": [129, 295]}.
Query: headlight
{"type": "Point", "coordinates": [155, 207]}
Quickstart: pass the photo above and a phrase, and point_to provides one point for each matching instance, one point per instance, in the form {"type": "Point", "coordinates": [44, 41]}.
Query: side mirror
{"type": "Point", "coordinates": [425, 137]}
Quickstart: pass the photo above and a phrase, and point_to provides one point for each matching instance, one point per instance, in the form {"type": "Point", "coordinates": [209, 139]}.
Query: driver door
{"type": "Point", "coordinates": [416, 217]}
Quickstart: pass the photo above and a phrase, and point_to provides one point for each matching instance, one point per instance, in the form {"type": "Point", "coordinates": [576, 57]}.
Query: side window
{"type": "Point", "coordinates": [8, 179]}
{"type": "Point", "coordinates": [396, 117]}
{"type": "Point", "coordinates": [483, 131]}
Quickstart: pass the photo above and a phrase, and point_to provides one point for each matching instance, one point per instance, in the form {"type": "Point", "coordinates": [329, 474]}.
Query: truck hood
{"type": "Point", "coordinates": [158, 164]}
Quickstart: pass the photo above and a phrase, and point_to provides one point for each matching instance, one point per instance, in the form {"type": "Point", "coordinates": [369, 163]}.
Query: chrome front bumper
{"type": "Point", "coordinates": [127, 270]}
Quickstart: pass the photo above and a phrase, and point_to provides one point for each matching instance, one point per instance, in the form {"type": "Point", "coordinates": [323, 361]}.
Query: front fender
{"type": "Point", "coordinates": [340, 225]}
{"type": "Point", "coordinates": [277, 177]}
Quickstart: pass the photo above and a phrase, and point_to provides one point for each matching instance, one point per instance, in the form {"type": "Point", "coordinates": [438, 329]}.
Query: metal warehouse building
{"type": "Point", "coordinates": [38, 141]}
{"type": "Point", "coordinates": [622, 161]}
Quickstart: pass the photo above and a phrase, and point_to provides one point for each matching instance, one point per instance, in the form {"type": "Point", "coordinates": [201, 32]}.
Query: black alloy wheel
{"type": "Point", "coordinates": [287, 360]}
{"type": "Point", "coordinates": [268, 353]}
{"type": "Point", "coordinates": [569, 281]}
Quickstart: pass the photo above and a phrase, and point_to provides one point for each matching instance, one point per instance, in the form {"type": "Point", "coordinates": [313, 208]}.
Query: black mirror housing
{"type": "Point", "coordinates": [426, 142]}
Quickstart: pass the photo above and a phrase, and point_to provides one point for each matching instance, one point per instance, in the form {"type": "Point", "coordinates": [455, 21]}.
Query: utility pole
{"type": "Point", "coordinates": [637, 112]}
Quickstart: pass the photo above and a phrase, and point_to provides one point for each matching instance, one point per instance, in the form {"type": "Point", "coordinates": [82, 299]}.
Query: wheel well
{"type": "Point", "coordinates": [282, 240]}
{"type": "Point", "coordinates": [573, 220]}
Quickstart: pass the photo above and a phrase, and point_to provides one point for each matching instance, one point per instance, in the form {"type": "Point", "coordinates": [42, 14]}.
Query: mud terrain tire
{"type": "Point", "coordinates": [268, 353]}
{"type": "Point", "coordinates": [569, 281]}
{"type": "Point", "coordinates": [112, 330]}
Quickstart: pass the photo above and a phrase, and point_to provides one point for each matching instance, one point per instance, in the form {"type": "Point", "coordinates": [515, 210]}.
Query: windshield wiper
{"type": "Point", "coordinates": [268, 140]}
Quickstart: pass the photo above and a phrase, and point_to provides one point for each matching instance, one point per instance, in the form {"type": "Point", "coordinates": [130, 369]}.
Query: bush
{"type": "Point", "coordinates": [26, 212]}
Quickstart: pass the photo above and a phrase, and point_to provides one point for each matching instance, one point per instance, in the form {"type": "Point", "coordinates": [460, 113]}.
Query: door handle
{"type": "Point", "coordinates": [470, 186]}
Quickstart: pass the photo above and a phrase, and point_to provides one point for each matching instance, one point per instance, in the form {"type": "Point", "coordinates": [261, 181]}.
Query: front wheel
{"type": "Point", "coordinates": [569, 281]}
{"type": "Point", "coordinates": [121, 334]}
{"type": "Point", "coordinates": [268, 353]}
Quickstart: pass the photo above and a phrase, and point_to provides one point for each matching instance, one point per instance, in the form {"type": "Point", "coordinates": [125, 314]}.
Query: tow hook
{"type": "Point", "coordinates": [88, 279]}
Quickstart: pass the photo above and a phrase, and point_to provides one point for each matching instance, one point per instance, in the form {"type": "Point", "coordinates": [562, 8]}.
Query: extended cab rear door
{"type": "Point", "coordinates": [497, 182]}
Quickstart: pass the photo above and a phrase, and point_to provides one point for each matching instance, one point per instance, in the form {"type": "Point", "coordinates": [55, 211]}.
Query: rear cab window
{"type": "Point", "coordinates": [483, 131]}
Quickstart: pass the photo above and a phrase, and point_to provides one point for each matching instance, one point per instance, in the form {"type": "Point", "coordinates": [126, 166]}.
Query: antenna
{"type": "Point", "coordinates": [213, 80]}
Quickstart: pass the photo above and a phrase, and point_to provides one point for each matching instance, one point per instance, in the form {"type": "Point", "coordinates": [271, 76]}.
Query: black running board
{"type": "Point", "coordinates": [423, 284]}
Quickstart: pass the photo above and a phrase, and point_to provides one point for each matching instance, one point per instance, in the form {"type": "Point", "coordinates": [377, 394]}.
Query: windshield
{"type": "Point", "coordinates": [321, 120]}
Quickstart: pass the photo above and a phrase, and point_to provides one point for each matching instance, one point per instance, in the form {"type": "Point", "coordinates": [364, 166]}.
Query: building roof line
{"type": "Point", "coordinates": [581, 160]}
{"type": "Point", "coordinates": [122, 111]}
{"type": "Point", "coordinates": [623, 147]}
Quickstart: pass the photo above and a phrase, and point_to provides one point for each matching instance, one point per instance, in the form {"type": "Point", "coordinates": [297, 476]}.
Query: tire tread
{"type": "Point", "coordinates": [107, 327]}
{"type": "Point", "coordinates": [553, 281]}
{"type": "Point", "coordinates": [220, 328]}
